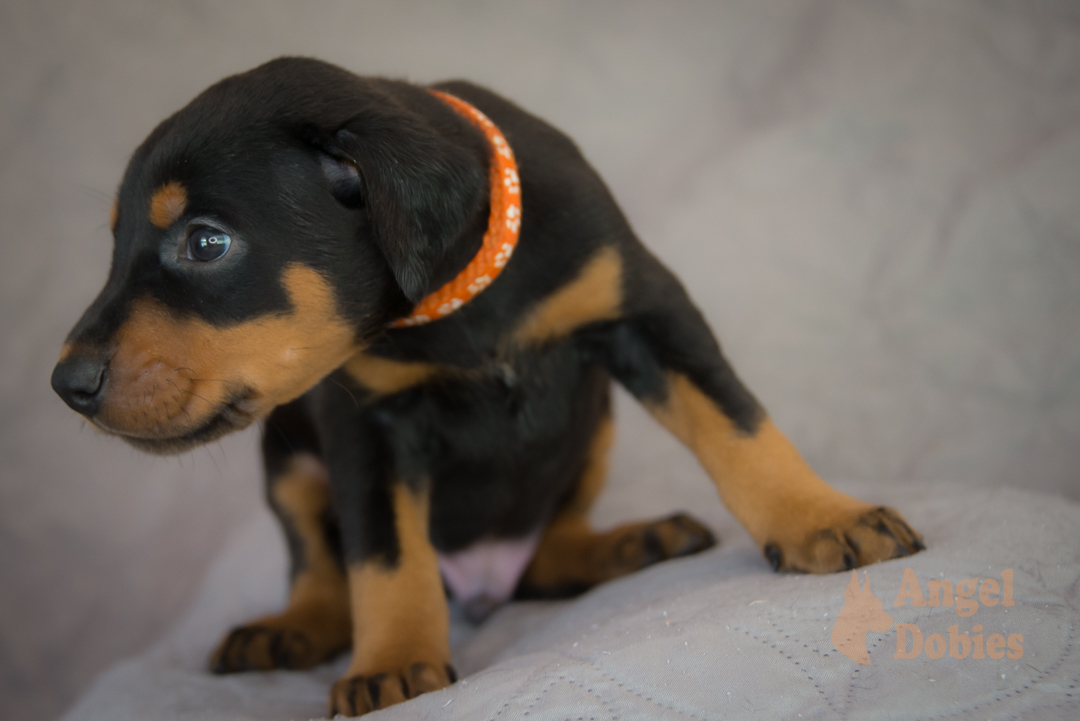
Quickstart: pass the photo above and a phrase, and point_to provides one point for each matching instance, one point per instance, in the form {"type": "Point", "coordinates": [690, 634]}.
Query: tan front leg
{"type": "Point", "coordinates": [401, 624]}
{"type": "Point", "coordinates": [315, 626]}
{"type": "Point", "coordinates": [799, 521]}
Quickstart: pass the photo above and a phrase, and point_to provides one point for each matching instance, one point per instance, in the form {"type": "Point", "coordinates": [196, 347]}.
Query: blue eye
{"type": "Point", "coordinates": [206, 244]}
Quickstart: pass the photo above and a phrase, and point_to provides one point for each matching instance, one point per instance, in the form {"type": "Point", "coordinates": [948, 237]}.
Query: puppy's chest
{"type": "Point", "coordinates": [493, 441]}
{"type": "Point", "coordinates": [434, 410]}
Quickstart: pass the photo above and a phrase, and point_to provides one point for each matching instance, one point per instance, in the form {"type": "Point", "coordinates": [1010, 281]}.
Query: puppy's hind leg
{"type": "Point", "coordinates": [663, 352]}
{"type": "Point", "coordinates": [571, 557]}
{"type": "Point", "coordinates": [315, 625]}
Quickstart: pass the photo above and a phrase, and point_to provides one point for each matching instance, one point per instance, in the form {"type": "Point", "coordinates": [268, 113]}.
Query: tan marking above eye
{"type": "Point", "coordinates": [170, 375]}
{"type": "Point", "coordinates": [594, 295]}
{"type": "Point", "coordinates": [167, 204]}
{"type": "Point", "coordinates": [384, 376]}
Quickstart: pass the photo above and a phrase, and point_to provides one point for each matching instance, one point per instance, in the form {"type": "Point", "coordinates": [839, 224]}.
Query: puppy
{"type": "Point", "coordinates": [424, 292]}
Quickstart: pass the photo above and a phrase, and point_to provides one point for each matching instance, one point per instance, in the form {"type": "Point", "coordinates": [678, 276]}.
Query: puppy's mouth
{"type": "Point", "coordinates": [235, 414]}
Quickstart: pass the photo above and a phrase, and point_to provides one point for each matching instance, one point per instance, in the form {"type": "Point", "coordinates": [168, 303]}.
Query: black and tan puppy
{"type": "Point", "coordinates": [275, 243]}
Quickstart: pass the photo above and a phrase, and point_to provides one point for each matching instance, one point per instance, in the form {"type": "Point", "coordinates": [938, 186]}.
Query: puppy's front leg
{"type": "Point", "coordinates": [401, 627]}
{"type": "Point", "coordinates": [664, 353]}
{"type": "Point", "coordinates": [400, 620]}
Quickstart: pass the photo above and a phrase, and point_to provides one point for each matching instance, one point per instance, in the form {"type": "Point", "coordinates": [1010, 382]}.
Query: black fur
{"type": "Point", "coordinates": [357, 197]}
{"type": "Point", "coordinates": [382, 188]}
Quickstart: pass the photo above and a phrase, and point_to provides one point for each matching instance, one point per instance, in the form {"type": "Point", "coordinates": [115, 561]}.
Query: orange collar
{"type": "Point", "coordinates": [501, 237]}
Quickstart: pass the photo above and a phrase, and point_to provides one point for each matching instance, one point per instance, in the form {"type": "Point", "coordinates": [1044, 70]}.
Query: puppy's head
{"type": "Point", "coordinates": [261, 235]}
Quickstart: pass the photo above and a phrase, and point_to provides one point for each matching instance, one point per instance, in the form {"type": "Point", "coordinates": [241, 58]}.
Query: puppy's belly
{"type": "Point", "coordinates": [484, 575]}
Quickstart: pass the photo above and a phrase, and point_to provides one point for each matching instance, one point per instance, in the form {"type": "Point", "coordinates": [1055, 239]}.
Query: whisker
{"type": "Point", "coordinates": [185, 390]}
{"type": "Point", "coordinates": [338, 384]}
{"type": "Point", "coordinates": [96, 193]}
{"type": "Point", "coordinates": [224, 454]}
{"type": "Point", "coordinates": [214, 461]}
{"type": "Point", "coordinates": [197, 378]}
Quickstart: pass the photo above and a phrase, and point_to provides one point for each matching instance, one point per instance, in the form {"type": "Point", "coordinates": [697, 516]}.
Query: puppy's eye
{"type": "Point", "coordinates": [206, 244]}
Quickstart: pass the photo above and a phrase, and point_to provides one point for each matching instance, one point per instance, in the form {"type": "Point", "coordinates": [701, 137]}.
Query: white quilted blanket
{"type": "Point", "coordinates": [708, 637]}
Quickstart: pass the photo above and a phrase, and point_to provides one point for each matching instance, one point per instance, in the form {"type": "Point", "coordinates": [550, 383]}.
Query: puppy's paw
{"type": "Point", "coordinates": [855, 539]}
{"type": "Point", "coordinates": [261, 648]}
{"type": "Point", "coordinates": [644, 544]}
{"type": "Point", "coordinates": [355, 695]}
{"type": "Point", "coordinates": [269, 644]}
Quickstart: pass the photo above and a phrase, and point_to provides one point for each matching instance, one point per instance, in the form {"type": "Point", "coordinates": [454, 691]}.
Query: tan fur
{"type": "Point", "coordinates": [772, 491]}
{"type": "Point", "coordinates": [594, 295]}
{"type": "Point", "coordinates": [571, 555]}
{"type": "Point", "coordinates": [315, 625]}
{"type": "Point", "coordinates": [761, 478]}
{"type": "Point", "coordinates": [562, 555]}
{"type": "Point", "coordinates": [170, 375]}
{"type": "Point", "coordinates": [303, 495]}
{"type": "Point", "coordinates": [596, 468]}
{"type": "Point", "coordinates": [383, 376]}
{"type": "Point", "coordinates": [400, 616]}
{"type": "Point", "coordinates": [167, 204]}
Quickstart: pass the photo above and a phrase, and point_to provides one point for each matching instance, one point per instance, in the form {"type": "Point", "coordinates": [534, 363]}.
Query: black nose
{"type": "Point", "coordinates": [79, 380]}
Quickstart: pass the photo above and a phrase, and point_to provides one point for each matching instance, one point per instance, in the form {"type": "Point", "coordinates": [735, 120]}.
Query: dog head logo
{"type": "Point", "coordinates": [862, 612]}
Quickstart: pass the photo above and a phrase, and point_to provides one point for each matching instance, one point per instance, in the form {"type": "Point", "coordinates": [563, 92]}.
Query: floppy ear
{"type": "Point", "coordinates": [418, 188]}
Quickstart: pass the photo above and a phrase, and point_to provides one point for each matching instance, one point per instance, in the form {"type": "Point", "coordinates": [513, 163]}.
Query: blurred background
{"type": "Point", "coordinates": [876, 204]}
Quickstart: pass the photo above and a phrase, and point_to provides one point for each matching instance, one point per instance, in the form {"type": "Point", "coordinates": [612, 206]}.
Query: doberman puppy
{"type": "Point", "coordinates": [424, 292]}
